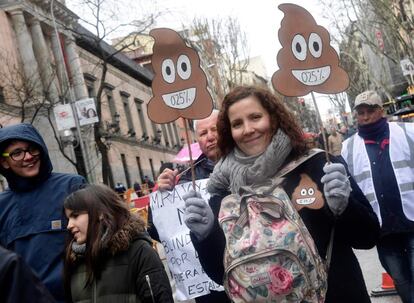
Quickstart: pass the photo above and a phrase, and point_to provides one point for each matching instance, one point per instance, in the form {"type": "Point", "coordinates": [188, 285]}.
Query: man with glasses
{"type": "Point", "coordinates": [380, 157]}
{"type": "Point", "coordinates": [32, 221]}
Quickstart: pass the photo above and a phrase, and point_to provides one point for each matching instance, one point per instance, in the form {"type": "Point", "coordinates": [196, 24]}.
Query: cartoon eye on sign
{"type": "Point", "coordinates": [307, 196]}
{"type": "Point", "coordinates": [307, 61]}
{"type": "Point", "coordinates": [179, 86]}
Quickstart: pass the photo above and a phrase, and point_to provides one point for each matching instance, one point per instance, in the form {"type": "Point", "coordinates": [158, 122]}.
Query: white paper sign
{"type": "Point", "coordinates": [168, 217]}
{"type": "Point", "coordinates": [86, 111]}
{"type": "Point", "coordinates": [407, 67]}
{"type": "Point", "coordinates": [64, 116]}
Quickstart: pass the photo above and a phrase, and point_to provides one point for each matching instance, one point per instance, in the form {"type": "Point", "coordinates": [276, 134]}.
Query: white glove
{"type": "Point", "coordinates": [198, 215]}
{"type": "Point", "coordinates": [336, 187]}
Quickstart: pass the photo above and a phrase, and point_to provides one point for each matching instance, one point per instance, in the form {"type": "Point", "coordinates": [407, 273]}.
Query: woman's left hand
{"type": "Point", "coordinates": [336, 187]}
{"type": "Point", "coordinates": [198, 215]}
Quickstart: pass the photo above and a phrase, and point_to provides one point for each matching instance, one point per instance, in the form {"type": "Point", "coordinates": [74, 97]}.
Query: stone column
{"type": "Point", "coordinates": [75, 69]}
{"type": "Point", "coordinates": [41, 51]}
{"type": "Point", "coordinates": [60, 64]}
{"type": "Point", "coordinates": [24, 42]}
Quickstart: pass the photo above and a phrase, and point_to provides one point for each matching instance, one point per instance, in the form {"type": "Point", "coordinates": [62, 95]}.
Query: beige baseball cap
{"type": "Point", "coordinates": [368, 97]}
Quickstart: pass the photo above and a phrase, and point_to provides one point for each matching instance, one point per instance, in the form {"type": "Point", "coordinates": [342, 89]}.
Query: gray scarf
{"type": "Point", "coordinates": [237, 170]}
{"type": "Point", "coordinates": [80, 249]}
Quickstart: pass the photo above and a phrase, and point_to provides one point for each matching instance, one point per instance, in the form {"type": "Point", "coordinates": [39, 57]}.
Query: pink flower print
{"type": "Point", "coordinates": [282, 280]}
{"type": "Point", "coordinates": [235, 288]}
{"type": "Point", "coordinates": [229, 227]}
{"type": "Point", "coordinates": [278, 224]}
{"type": "Point", "coordinates": [251, 241]}
{"type": "Point", "coordinates": [254, 236]}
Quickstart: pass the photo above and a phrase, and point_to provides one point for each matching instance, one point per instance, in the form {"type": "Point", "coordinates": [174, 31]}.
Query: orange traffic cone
{"type": "Point", "coordinates": [387, 282]}
{"type": "Point", "coordinates": [387, 287]}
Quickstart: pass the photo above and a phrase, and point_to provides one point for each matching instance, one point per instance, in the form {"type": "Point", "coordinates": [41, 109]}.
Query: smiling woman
{"type": "Point", "coordinates": [260, 143]}
{"type": "Point", "coordinates": [104, 236]}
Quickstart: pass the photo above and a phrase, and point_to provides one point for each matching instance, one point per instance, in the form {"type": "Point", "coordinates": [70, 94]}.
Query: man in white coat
{"type": "Point", "coordinates": [380, 157]}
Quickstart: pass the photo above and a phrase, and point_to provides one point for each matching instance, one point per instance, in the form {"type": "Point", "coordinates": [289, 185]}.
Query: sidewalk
{"type": "Point", "coordinates": [372, 269]}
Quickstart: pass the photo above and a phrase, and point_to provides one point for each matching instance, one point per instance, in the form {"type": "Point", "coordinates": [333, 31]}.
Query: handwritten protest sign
{"type": "Point", "coordinates": [168, 217]}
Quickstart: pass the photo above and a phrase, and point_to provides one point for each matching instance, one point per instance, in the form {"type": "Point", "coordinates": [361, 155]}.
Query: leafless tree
{"type": "Point", "coordinates": [23, 96]}
{"type": "Point", "coordinates": [382, 27]}
{"type": "Point", "coordinates": [223, 45]}
{"type": "Point", "coordinates": [105, 19]}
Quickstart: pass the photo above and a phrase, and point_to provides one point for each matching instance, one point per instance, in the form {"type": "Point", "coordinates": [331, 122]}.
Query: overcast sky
{"type": "Point", "coordinates": [259, 19]}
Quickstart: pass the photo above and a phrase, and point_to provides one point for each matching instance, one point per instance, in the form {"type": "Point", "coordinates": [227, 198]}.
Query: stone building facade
{"type": "Point", "coordinates": [41, 43]}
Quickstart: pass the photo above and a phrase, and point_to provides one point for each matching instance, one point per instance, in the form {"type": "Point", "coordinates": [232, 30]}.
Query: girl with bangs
{"type": "Point", "coordinates": [109, 256]}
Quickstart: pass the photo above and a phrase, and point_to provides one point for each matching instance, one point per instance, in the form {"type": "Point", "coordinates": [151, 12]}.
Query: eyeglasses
{"type": "Point", "coordinates": [19, 154]}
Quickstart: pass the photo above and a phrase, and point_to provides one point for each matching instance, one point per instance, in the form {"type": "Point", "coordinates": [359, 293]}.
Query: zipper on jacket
{"type": "Point", "coordinates": [149, 286]}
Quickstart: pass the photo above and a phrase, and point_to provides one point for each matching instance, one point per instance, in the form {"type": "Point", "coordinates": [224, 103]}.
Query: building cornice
{"type": "Point", "coordinates": [41, 9]}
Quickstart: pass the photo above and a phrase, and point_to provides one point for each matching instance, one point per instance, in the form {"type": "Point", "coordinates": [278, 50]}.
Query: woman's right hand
{"type": "Point", "coordinates": [198, 215]}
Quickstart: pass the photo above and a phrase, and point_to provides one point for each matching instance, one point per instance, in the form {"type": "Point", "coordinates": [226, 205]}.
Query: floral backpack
{"type": "Point", "coordinates": [270, 255]}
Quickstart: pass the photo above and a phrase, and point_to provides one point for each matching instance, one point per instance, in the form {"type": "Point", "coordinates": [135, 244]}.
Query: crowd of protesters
{"type": "Point", "coordinates": [73, 242]}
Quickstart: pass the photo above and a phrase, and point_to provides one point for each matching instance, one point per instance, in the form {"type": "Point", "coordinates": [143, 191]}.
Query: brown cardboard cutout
{"type": "Point", "coordinates": [307, 194]}
{"type": "Point", "coordinates": [307, 61]}
{"type": "Point", "coordinates": [179, 86]}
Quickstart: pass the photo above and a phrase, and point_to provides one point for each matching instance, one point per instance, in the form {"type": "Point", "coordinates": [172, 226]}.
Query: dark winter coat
{"type": "Point", "coordinates": [129, 274]}
{"type": "Point", "coordinates": [357, 227]}
{"type": "Point", "coordinates": [32, 221]}
{"type": "Point", "coordinates": [202, 170]}
{"type": "Point", "coordinates": [18, 283]}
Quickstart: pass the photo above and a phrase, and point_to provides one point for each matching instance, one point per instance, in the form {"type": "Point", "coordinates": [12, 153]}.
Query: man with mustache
{"type": "Point", "coordinates": [32, 221]}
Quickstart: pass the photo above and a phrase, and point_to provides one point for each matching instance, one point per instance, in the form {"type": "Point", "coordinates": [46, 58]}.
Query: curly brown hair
{"type": "Point", "coordinates": [280, 117]}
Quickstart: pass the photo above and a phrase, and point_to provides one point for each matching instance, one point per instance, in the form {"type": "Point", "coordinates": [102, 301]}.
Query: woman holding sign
{"type": "Point", "coordinates": [263, 152]}
{"type": "Point", "coordinates": [109, 257]}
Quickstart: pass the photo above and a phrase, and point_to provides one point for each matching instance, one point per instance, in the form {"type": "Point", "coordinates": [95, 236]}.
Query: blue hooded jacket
{"type": "Point", "coordinates": [32, 220]}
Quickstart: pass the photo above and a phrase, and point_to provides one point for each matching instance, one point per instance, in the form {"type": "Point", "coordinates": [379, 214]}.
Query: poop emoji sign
{"type": "Point", "coordinates": [307, 61]}
{"type": "Point", "coordinates": [179, 86]}
{"type": "Point", "coordinates": [306, 194]}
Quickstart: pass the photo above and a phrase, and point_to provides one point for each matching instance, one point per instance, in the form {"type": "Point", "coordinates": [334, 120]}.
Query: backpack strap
{"type": "Point", "coordinates": [291, 166]}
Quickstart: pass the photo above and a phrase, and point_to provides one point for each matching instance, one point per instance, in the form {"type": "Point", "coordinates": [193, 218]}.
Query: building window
{"type": "Point", "coordinates": [111, 102]}
{"type": "Point", "coordinates": [90, 81]}
{"type": "Point", "coordinates": [141, 118]}
{"type": "Point", "coordinates": [164, 133]}
{"type": "Point", "coordinates": [125, 102]}
{"type": "Point", "coordinates": [141, 173]}
{"type": "Point", "coordinates": [2, 98]}
{"type": "Point", "coordinates": [125, 166]}
{"type": "Point", "coordinates": [170, 133]}
{"type": "Point", "coordinates": [152, 169]}
{"type": "Point", "coordinates": [177, 137]}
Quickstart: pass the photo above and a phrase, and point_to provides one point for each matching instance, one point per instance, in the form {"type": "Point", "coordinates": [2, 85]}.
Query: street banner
{"type": "Point", "coordinates": [168, 217]}
{"type": "Point", "coordinates": [64, 116]}
{"type": "Point", "coordinates": [86, 111]}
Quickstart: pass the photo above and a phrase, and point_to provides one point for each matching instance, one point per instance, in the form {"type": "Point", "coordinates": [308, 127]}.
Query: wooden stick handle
{"type": "Point", "coordinates": [187, 137]}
